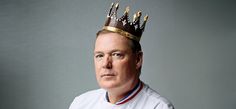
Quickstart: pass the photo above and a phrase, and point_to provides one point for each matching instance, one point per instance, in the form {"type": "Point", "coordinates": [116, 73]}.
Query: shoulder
{"type": "Point", "coordinates": [158, 101]}
{"type": "Point", "coordinates": [90, 94]}
{"type": "Point", "coordinates": [87, 98]}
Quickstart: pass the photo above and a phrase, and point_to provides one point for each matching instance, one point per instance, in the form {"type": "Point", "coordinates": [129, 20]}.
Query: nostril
{"type": "Point", "coordinates": [107, 63]}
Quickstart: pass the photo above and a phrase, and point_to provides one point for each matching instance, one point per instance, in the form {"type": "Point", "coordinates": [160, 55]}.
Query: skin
{"type": "Point", "coordinates": [116, 66]}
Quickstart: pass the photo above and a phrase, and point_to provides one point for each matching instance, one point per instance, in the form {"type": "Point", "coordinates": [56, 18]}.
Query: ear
{"type": "Point", "coordinates": [139, 59]}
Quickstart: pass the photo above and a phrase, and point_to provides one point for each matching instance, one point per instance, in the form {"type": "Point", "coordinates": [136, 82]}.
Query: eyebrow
{"type": "Point", "coordinates": [115, 50]}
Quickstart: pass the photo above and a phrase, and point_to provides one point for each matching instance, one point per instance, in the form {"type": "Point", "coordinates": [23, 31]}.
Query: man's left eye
{"type": "Point", "coordinates": [118, 55]}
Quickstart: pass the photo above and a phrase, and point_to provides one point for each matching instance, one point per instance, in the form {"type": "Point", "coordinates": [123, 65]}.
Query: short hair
{"type": "Point", "coordinates": [135, 46]}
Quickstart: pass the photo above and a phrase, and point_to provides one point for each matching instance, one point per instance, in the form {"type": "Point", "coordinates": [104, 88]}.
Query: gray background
{"type": "Point", "coordinates": [46, 51]}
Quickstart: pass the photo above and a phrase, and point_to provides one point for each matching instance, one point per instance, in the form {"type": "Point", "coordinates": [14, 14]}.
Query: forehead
{"type": "Point", "coordinates": [111, 41]}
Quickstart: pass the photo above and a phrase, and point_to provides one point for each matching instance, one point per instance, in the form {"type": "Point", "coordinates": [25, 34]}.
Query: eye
{"type": "Point", "coordinates": [117, 55]}
{"type": "Point", "coordinates": [98, 56]}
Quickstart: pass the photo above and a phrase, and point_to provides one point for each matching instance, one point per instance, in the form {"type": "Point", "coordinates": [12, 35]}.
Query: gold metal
{"type": "Point", "coordinates": [112, 4]}
{"type": "Point", "coordinates": [146, 18]}
{"type": "Point", "coordinates": [139, 13]}
{"type": "Point", "coordinates": [122, 32]}
{"type": "Point", "coordinates": [117, 5]}
{"type": "Point", "coordinates": [123, 26]}
{"type": "Point", "coordinates": [126, 10]}
{"type": "Point", "coordinates": [135, 17]}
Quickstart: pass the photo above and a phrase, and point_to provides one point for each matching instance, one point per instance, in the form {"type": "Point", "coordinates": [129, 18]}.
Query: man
{"type": "Point", "coordinates": [118, 60]}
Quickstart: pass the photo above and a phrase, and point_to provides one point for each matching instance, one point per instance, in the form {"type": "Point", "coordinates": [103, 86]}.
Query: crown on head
{"type": "Point", "coordinates": [130, 29]}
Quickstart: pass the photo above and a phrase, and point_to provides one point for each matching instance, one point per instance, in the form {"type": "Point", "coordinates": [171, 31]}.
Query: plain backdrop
{"type": "Point", "coordinates": [46, 51]}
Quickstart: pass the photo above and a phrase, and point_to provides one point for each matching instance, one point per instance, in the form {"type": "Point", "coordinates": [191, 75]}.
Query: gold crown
{"type": "Point", "coordinates": [122, 25]}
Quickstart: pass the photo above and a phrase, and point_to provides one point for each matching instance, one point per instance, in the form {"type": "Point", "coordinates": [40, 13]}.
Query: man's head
{"type": "Point", "coordinates": [117, 59]}
{"type": "Point", "coordinates": [117, 53]}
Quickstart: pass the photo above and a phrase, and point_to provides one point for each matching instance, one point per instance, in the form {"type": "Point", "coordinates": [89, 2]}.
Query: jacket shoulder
{"type": "Point", "coordinates": [158, 101]}
{"type": "Point", "coordinates": [84, 99]}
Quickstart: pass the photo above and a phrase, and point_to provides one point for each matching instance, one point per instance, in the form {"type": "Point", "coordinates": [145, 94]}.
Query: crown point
{"type": "Point", "coordinates": [110, 11]}
{"type": "Point", "coordinates": [135, 17]}
{"type": "Point", "coordinates": [112, 4]}
{"type": "Point", "coordinates": [139, 13]}
{"type": "Point", "coordinates": [127, 10]}
{"type": "Point", "coordinates": [117, 5]}
{"type": "Point", "coordinates": [145, 18]}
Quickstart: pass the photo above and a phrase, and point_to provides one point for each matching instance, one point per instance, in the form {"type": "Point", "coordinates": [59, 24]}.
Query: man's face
{"type": "Point", "coordinates": [115, 63]}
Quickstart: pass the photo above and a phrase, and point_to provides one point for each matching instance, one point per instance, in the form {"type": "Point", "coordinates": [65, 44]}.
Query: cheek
{"type": "Point", "coordinates": [96, 65]}
{"type": "Point", "coordinates": [125, 67]}
{"type": "Point", "coordinates": [97, 69]}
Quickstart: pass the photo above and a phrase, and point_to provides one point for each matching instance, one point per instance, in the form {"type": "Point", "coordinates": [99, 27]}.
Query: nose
{"type": "Point", "coordinates": [107, 62]}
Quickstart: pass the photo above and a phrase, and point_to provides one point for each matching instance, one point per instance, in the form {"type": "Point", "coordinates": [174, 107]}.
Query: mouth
{"type": "Point", "coordinates": [107, 75]}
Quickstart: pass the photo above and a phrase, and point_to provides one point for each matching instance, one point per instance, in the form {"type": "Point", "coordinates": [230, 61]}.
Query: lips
{"type": "Point", "coordinates": [107, 75]}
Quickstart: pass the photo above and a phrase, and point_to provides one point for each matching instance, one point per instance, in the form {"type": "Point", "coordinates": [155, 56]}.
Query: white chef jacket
{"type": "Point", "coordinates": [142, 98]}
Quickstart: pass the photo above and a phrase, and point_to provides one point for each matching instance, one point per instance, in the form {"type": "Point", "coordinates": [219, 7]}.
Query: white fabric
{"type": "Point", "coordinates": [147, 98]}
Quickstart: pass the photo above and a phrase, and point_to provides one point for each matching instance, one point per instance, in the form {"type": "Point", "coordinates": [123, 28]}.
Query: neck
{"type": "Point", "coordinates": [117, 94]}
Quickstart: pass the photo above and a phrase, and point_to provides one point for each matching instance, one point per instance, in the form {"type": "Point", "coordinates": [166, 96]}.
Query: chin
{"type": "Point", "coordinates": [107, 85]}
